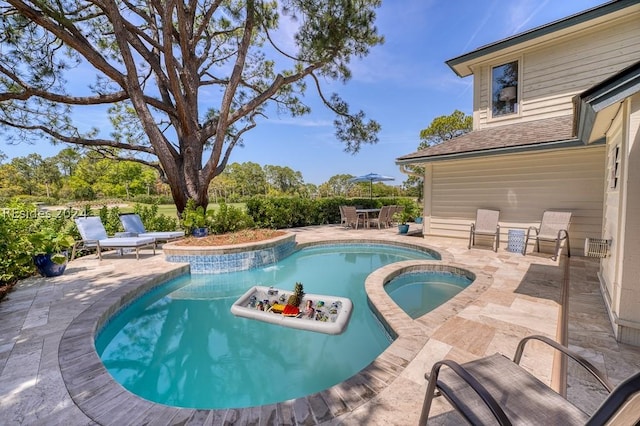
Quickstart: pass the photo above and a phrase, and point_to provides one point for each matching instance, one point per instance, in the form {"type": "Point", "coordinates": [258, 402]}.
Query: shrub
{"type": "Point", "coordinates": [152, 199]}
{"type": "Point", "coordinates": [154, 221]}
{"type": "Point", "coordinates": [110, 218]}
{"type": "Point", "coordinates": [15, 260]}
{"type": "Point", "coordinates": [228, 219]}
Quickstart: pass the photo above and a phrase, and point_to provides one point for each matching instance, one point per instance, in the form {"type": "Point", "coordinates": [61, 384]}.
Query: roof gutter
{"type": "Point", "coordinates": [535, 33]}
{"type": "Point", "coordinates": [404, 169]}
{"type": "Point", "coordinates": [591, 102]}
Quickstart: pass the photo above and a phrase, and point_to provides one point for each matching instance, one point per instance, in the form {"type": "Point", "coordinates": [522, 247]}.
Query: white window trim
{"type": "Point", "coordinates": [518, 113]}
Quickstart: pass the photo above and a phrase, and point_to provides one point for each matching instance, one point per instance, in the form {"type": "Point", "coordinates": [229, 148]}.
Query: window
{"type": "Point", "coordinates": [504, 89]}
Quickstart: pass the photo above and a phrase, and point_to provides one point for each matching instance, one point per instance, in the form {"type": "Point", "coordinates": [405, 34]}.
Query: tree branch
{"type": "Point", "coordinates": [78, 140]}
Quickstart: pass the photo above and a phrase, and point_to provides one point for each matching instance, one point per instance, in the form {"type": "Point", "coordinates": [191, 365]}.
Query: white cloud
{"type": "Point", "coordinates": [520, 14]}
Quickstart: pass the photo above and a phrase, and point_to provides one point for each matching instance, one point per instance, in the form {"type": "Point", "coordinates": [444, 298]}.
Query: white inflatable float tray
{"type": "Point", "coordinates": [330, 314]}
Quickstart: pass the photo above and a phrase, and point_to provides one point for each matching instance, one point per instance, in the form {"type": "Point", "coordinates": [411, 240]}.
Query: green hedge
{"type": "Point", "coordinates": [293, 212]}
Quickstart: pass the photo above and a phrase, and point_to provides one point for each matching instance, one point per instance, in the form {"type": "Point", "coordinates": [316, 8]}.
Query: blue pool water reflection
{"type": "Point", "coordinates": [420, 292]}
{"type": "Point", "coordinates": [180, 345]}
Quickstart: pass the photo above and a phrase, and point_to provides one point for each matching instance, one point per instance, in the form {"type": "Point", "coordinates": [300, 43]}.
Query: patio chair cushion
{"type": "Point", "coordinates": [125, 242]}
{"type": "Point", "coordinates": [133, 223]}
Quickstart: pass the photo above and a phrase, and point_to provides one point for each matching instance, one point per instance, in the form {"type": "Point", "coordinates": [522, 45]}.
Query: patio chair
{"type": "Point", "coordinates": [496, 390]}
{"type": "Point", "coordinates": [486, 224]}
{"type": "Point", "coordinates": [383, 219]}
{"type": "Point", "coordinates": [394, 209]}
{"type": "Point", "coordinates": [343, 217]}
{"type": "Point", "coordinates": [132, 223]}
{"type": "Point", "coordinates": [353, 218]}
{"type": "Point", "coordinates": [554, 227]}
{"type": "Point", "coordinates": [95, 236]}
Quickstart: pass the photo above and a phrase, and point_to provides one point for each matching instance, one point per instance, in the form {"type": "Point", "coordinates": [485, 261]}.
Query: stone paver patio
{"type": "Point", "coordinates": [50, 374]}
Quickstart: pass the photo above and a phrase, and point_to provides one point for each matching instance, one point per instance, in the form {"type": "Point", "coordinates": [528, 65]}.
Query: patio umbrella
{"type": "Point", "coordinates": [371, 177]}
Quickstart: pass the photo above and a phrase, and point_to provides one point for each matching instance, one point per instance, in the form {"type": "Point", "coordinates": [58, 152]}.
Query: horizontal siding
{"type": "Point", "coordinates": [611, 223]}
{"type": "Point", "coordinates": [521, 186]}
{"type": "Point", "coordinates": [551, 75]}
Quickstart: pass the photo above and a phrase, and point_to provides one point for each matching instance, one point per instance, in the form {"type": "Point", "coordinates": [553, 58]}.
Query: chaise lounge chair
{"type": "Point", "coordinates": [496, 390]}
{"type": "Point", "coordinates": [554, 227]}
{"type": "Point", "coordinates": [133, 224]}
{"type": "Point", "coordinates": [95, 236]}
{"type": "Point", "coordinates": [487, 224]}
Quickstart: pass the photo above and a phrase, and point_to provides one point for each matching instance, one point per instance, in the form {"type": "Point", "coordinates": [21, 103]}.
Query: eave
{"type": "Point", "coordinates": [597, 106]}
{"type": "Point", "coordinates": [463, 65]}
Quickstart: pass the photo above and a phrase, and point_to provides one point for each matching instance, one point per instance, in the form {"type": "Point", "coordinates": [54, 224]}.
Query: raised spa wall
{"type": "Point", "coordinates": [238, 257]}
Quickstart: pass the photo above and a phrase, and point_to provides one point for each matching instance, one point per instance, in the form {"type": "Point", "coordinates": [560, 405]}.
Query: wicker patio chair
{"type": "Point", "coordinates": [496, 390]}
{"type": "Point", "coordinates": [486, 224]}
{"type": "Point", "coordinates": [384, 217]}
{"type": "Point", "coordinates": [353, 218]}
{"type": "Point", "coordinates": [554, 227]}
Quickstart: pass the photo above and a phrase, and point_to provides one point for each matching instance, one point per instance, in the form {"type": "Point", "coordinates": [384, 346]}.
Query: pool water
{"type": "Point", "coordinates": [180, 345]}
{"type": "Point", "coordinates": [420, 292]}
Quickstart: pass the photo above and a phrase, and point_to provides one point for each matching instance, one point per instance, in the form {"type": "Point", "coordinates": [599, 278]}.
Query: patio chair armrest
{"type": "Point", "coordinates": [533, 228]}
{"type": "Point", "coordinates": [474, 384]}
{"type": "Point", "coordinates": [599, 376]}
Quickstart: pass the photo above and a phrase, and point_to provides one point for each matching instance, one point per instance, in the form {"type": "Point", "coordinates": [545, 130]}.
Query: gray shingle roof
{"type": "Point", "coordinates": [532, 133]}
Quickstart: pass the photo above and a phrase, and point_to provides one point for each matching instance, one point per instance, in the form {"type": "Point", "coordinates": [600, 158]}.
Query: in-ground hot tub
{"type": "Point", "coordinates": [418, 292]}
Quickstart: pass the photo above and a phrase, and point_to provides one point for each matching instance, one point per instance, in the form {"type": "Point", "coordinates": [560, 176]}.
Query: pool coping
{"type": "Point", "coordinates": [101, 398]}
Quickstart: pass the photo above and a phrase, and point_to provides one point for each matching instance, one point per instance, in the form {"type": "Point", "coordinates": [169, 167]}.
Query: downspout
{"type": "Point", "coordinates": [426, 195]}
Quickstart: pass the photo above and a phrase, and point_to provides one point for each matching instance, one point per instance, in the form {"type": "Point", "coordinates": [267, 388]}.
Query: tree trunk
{"type": "Point", "coordinates": [186, 184]}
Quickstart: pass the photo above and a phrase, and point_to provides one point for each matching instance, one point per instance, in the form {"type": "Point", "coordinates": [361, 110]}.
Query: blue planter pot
{"type": "Point", "coordinates": [418, 220]}
{"type": "Point", "coordinates": [200, 232]}
{"type": "Point", "coordinates": [47, 267]}
{"type": "Point", "coordinates": [403, 228]}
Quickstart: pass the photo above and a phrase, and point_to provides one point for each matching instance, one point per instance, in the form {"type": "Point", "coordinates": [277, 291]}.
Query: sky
{"type": "Point", "coordinates": [403, 84]}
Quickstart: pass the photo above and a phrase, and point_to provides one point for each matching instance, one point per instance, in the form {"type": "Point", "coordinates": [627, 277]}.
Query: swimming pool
{"type": "Point", "coordinates": [179, 344]}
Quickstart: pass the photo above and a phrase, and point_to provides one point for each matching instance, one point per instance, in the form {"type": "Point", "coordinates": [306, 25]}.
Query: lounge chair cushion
{"type": "Point", "coordinates": [132, 223]}
{"type": "Point", "coordinates": [124, 242]}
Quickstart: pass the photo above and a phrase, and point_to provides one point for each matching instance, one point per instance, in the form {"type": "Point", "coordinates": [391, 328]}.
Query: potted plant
{"type": "Point", "coordinates": [419, 217]}
{"type": "Point", "coordinates": [402, 217]}
{"type": "Point", "coordinates": [194, 220]}
{"type": "Point", "coordinates": [49, 251]}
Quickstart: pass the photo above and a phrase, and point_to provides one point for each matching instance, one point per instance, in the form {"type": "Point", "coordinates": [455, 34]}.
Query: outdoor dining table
{"type": "Point", "coordinates": [366, 213]}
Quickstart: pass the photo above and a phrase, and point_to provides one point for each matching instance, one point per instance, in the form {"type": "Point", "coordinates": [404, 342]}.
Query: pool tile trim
{"type": "Point", "coordinates": [100, 397]}
{"type": "Point", "coordinates": [231, 258]}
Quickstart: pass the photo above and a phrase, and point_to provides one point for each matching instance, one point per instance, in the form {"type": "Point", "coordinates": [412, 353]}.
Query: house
{"type": "Point", "coordinates": [556, 126]}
